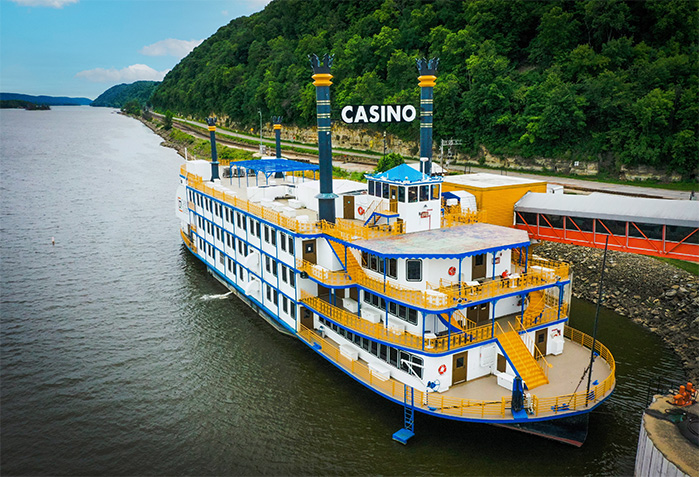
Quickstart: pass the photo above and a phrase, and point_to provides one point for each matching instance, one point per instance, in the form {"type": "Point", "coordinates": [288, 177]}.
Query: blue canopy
{"type": "Point", "coordinates": [270, 166]}
{"type": "Point", "coordinates": [403, 173]}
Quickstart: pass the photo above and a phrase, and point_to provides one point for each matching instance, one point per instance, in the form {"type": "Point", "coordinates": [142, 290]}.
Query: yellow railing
{"type": "Point", "coordinates": [344, 229]}
{"type": "Point", "coordinates": [379, 331]}
{"type": "Point", "coordinates": [324, 275]}
{"type": "Point", "coordinates": [494, 409]}
{"type": "Point", "coordinates": [454, 216]}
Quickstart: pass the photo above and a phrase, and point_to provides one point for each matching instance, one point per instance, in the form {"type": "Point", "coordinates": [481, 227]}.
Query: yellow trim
{"type": "Point", "coordinates": [277, 126]}
{"type": "Point", "coordinates": [212, 128]}
{"type": "Point", "coordinates": [427, 80]}
{"type": "Point", "coordinates": [322, 79]}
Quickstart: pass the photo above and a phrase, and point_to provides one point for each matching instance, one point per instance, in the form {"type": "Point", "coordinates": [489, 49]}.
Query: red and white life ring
{"type": "Point", "coordinates": [360, 210]}
{"type": "Point", "coordinates": [555, 332]}
{"type": "Point", "coordinates": [505, 274]}
{"type": "Point", "coordinates": [442, 369]}
{"type": "Point", "coordinates": [452, 271]}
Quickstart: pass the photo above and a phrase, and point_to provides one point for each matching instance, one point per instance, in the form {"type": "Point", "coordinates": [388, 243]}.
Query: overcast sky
{"type": "Point", "coordinates": [83, 47]}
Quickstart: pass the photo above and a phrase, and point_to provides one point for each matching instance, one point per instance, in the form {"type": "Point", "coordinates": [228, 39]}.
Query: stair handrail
{"type": "Point", "coordinates": [537, 354]}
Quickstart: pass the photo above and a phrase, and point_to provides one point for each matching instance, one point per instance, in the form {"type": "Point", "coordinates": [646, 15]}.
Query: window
{"type": "Point", "coordinates": [237, 216]}
{"type": "Point", "coordinates": [293, 310]}
{"type": "Point", "coordinates": [435, 191]}
{"type": "Point", "coordinates": [413, 270]}
{"type": "Point", "coordinates": [276, 297]}
{"type": "Point", "coordinates": [269, 292]}
{"type": "Point", "coordinates": [386, 190]}
{"type": "Point", "coordinates": [267, 264]}
{"type": "Point", "coordinates": [292, 278]}
{"type": "Point", "coordinates": [371, 187]}
{"type": "Point", "coordinates": [285, 304]}
{"type": "Point", "coordinates": [282, 239]}
{"type": "Point", "coordinates": [412, 194]}
{"type": "Point", "coordinates": [284, 279]}
{"type": "Point", "coordinates": [267, 233]}
{"type": "Point", "coordinates": [401, 194]}
{"type": "Point", "coordinates": [291, 245]}
{"type": "Point", "coordinates": [392, 268]}
{"type": "Point", "coordinates": [424, 193]}
{"type": "Point", "coordinates": [257, 229]}
{"type": "Point", "coordinates": [221, 259]}
{"type": "Point", "coordinates": [274, 237]}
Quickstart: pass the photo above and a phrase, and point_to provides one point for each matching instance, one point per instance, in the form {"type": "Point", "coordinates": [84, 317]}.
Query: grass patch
{"type": "Point", "coordinates": [691, 267]}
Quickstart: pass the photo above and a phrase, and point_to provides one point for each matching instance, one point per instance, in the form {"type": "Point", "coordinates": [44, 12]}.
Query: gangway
{"type": "Point", "coordinates": [657, 227]}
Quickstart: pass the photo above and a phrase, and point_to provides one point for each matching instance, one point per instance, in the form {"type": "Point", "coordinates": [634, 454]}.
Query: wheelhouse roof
{"type": "Point", "coordinates": [452, 242]}
{"type": "Point", "coordinates": [404, 174]}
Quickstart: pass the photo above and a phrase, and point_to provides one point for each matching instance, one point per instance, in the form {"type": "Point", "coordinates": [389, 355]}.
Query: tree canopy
{"type": "Point", "coordinates": [585, 80]}
{"type": "Point", "coordinates": [118, 96]}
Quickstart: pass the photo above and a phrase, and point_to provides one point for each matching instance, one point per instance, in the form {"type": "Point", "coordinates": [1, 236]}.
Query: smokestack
{"type": "Point", "coordinates": [321, 80]}
{"type": "Point", "coordinates": [427, 78]}
{"type": "Point", "coordinates": [277, 120]}
{"type": "Point", "coordinates": [214, 156]}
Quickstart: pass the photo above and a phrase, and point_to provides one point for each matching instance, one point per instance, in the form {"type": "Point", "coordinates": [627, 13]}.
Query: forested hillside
{"type": "Point", "coordinates": [117, 96]}
{"type": "Point", "coordinates": [585, 80]}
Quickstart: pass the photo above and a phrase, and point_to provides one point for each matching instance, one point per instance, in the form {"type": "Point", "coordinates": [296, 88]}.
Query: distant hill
{"type": "Point", "coordinates": [19, 104]}
{"type": "Point", "coordinates": [117, 96]}
{"type": "Point", "coordinates": [49, 100]}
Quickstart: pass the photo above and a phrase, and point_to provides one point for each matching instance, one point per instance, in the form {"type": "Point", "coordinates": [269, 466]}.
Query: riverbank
{"type": "Point", "coordinates": [653, 294]}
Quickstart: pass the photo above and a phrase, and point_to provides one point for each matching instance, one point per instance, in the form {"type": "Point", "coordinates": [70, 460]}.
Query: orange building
{"type": "Point", "coordinates": [496, 194]}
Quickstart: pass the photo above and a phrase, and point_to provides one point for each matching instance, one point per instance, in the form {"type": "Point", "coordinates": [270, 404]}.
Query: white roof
{"type": "Point", "coordinates": [484, 180]}
{"type": "Point", "coordinates": [435, 168]}
{"type": "Point", "coordinates": [598, 205]}
{"type": "Point", "coordinates": [340, 186]}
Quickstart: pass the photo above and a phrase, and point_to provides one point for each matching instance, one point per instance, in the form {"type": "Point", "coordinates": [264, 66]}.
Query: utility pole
{"type": "Point", "coordinates": [449, 142]}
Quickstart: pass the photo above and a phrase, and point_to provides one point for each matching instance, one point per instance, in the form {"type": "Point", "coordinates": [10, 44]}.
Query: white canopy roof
{"type": "Point", "coordinates": [598, 205]}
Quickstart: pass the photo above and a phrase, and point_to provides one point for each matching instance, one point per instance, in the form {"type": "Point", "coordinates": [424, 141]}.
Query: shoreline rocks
{"type": "Point", "coordinates": [662, 298]}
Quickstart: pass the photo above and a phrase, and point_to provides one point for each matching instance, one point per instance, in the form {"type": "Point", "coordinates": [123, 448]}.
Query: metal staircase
{"type": "Point", "coordinates": [537, 302]}
{"type": "Point", "coordinates": [522, 360]}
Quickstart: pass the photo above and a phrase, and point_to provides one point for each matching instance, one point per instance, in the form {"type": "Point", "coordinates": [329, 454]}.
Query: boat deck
{"type": "Point", "coordinates": [482, 399]}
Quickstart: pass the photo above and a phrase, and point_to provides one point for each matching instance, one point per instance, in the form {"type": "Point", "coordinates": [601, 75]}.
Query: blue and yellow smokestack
{"type": "Point", "coordinates": [321, 80]}
{"type": "Point", "coordinates": [214, 155]}
{"type": "Point", "coordinates": [277, 120]}
{"type": "Point", "coordinates": [427, 78]}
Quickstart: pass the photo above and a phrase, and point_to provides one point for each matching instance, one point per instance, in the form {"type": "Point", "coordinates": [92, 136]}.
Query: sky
{"type": "Point", "coordinates": [80, 48]}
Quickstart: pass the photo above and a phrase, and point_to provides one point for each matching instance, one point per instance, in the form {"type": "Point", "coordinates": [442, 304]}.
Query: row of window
{"type": "Point", "coordinates": [398, 192]}
{"type": "Point", "coordinates": [605, 226]}
{"type": "Point", "coordinates": [413, 267]}
{"type": "Point", "coordinates": [395, 357]}
{"type": "Point", "coordinates": [395, 309]}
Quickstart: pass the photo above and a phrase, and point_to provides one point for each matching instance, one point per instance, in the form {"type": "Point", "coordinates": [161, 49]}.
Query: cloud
{"type": "Point", "coordinates": [126, 75]}
{"type": "Point", "coordinates": [44, 3]}
{"type": "Point", "coordinates": [170, 47]}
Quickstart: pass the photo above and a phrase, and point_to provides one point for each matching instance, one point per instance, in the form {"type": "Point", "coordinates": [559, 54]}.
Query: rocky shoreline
{"type": "Point", "coordinates": [654, 294]}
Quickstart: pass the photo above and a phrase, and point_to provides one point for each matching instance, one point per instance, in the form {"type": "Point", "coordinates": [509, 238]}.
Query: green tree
{"type": "Point", "coordinates": [389, 161]}
{"type": "Point", "coordinates": [132, 107]}
{"type": "Point", "coordinates": [167, 122]}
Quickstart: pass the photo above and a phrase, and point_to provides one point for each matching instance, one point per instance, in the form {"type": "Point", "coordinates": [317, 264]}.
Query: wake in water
{"type": "Point", "coordinates": [216, 297]}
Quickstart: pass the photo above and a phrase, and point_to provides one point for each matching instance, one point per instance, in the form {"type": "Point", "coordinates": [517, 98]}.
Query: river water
{"type": "Point", "coordinates": [118, 358]}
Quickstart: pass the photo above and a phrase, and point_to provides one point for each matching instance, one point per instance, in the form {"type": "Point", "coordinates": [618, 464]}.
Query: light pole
{"type": "Point", "coordinates": [259, 111]}
{"type": "Point", "coordinates": [384, 144]}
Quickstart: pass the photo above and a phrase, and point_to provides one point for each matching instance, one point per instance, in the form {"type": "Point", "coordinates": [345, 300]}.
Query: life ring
{"type": "Point", "coordinates": [505, 274]}
{"type": "Point", "coordinates": [360, 210]}
{"type": "Point", "coordinates": [555, 332]}
{"type": "Point", "coordinates": [452, 271]}
{"type": "Point", "coordinates": [442, 369]}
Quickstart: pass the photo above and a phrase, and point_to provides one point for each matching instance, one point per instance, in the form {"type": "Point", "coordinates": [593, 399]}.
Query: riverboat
{"type": "Point", "coordinates": [401, 285]}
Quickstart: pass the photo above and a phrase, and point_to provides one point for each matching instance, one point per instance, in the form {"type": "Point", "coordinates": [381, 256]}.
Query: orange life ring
{"type": "Point", "coordinates": [361, 210]}
{"type": "Point", "coordinates": [452, 271]}
{"type": "Point", "coordinates": [442, 369]}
